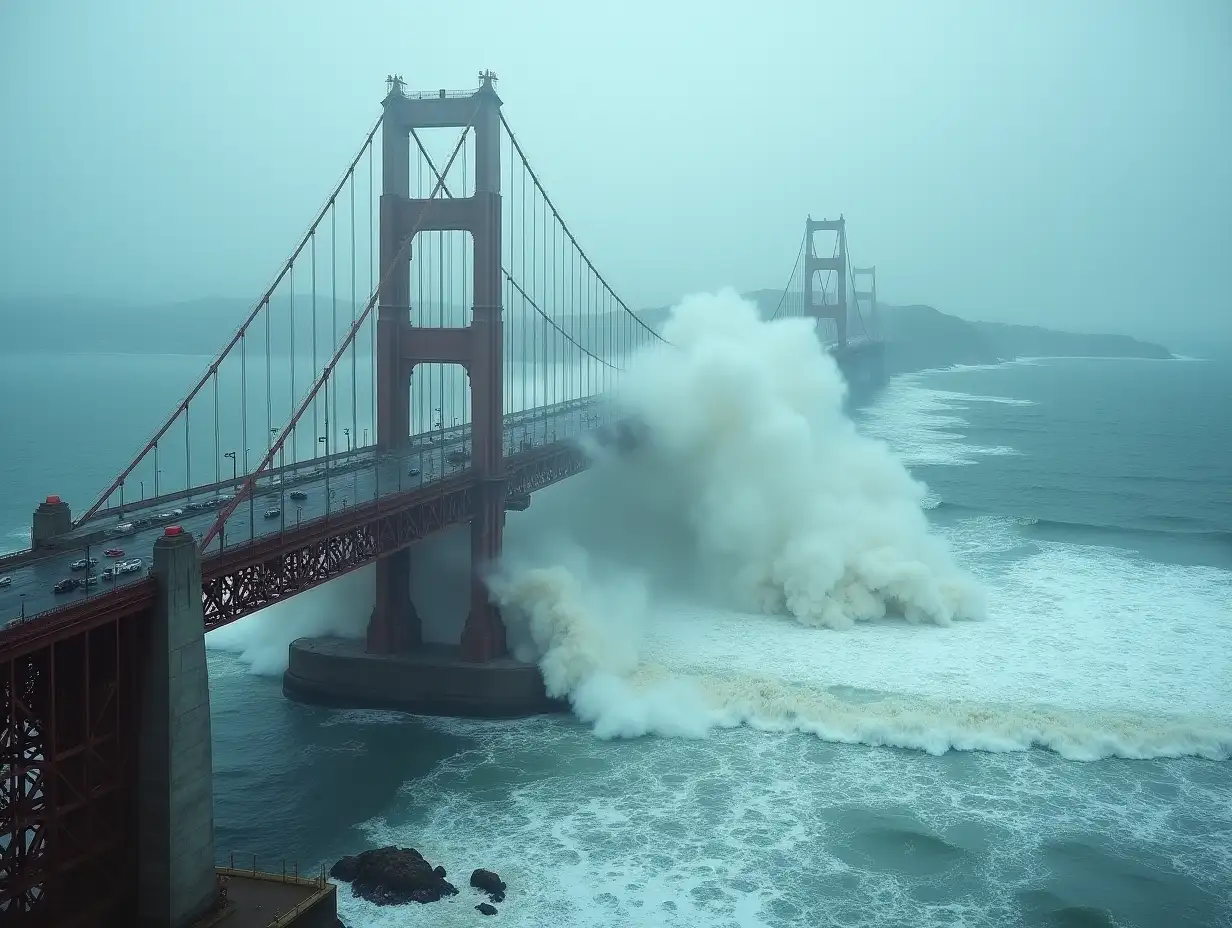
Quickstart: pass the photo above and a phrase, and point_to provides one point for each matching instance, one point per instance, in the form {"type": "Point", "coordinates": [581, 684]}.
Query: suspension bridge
{"type": "Point", "coordinates": [429, 355]}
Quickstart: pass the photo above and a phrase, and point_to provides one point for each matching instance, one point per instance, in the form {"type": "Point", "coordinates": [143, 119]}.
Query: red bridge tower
{"type": "Point", "coordinates": [838, 263]}
{"type": "Point", "coordinates": [401, 345]}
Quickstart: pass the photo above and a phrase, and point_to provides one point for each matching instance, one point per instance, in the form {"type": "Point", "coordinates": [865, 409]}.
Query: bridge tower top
{"type": "Point", "coordinates": [838, 225]}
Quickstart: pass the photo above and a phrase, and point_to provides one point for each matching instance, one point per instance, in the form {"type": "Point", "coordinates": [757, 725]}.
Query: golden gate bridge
{"type": "Point", "coordinates": [429, 355]}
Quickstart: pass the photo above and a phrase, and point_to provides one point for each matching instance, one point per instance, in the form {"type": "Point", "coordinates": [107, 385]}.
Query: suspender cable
{"type": "Point", "coordinates": [331, 398]}
{"type": "Point", "coordinates": [106, 494]}
{"type": "Point", "coordinates": [217, 446]}
{"type": "Point", "coordinates": [293, 357]}
{"type": "Point", "coordinates": [247, 488]}
{"type": "Point", "coordinates": [315, 416]}
{"type": "Point", "coordinates": [354, 439]}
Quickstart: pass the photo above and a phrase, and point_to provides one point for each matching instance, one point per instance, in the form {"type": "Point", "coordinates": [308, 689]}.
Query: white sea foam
{"type": "Point", "coordinates": [650, 589]}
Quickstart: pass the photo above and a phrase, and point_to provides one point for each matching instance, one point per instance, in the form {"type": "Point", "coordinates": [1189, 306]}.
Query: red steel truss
{"type": "Point", "coordinates": [248, 578]}
{"type": "Point", "coordinates": [67, 769]}
{"type": "Point", "coordinates": [236, 584]}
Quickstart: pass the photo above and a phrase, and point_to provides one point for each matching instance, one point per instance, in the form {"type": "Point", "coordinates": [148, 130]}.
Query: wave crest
{"type": "Point", "coordinates": [752, 491]}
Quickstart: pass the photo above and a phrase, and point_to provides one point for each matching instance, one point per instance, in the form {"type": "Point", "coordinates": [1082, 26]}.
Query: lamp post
{"type": "Point", "coordinates": [322, 440]}
{"type": "Point", "coordinates": [282, 497]}
{"type": "Point", "coordinates": [222, 529]}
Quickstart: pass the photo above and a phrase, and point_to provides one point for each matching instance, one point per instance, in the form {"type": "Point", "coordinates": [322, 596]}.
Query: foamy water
{"type": "Point", "coordinates": [1088, 651]}
{"type": "Point", "coordinates": [676, 832]}
{"type": "Point", "coordinates": [766, 832]}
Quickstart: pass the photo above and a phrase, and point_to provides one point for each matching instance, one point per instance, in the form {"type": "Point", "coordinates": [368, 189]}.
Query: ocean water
{"type": "Point", "coordinates": [1062, 763]}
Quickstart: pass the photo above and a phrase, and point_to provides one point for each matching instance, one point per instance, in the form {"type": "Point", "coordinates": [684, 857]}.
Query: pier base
{"type": "Point", "coordinates": [430, 680]}
{"type": "Point", "coordinates": [863, 367]}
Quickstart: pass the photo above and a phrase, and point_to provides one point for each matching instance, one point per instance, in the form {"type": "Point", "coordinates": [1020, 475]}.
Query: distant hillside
{"type": "Point", "coordinates": [1026, 341]}
{"type": "Point", "coordinates": [920, 336]}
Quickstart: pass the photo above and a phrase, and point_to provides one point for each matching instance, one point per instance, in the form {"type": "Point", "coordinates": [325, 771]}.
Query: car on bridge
{"type": "Point", "coordinates": [64, 586]}
{"type": "Point", "coordinates": [273, 512]}
{"type": "Point", "coordinates": [83, 564]}
{"type": "Point", "coordinates": [298, 495]}
{"type": "Point", "coordinates": [6, 581]}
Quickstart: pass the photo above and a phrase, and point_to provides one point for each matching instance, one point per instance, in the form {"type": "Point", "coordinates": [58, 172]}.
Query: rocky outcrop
{"type": "Point", "coordinates": [486, 908]}
{"type": "Point", "coordinates": [490, 883]}
{"type": "Point", "coordinates": [393, 876]}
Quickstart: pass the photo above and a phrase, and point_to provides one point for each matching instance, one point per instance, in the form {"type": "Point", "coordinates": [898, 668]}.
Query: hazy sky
{"type": "Point", "coordinates": [1051, 161]}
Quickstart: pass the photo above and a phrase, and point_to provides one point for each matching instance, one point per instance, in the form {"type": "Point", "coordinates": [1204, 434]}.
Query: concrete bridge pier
{"type": "Point", "coordinates": [395, 624]}
{"type": "Point", "coordinates": [175, 796]}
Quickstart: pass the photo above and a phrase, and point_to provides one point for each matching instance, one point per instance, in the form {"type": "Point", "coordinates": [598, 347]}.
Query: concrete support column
{"type": "Point", "coordinates": [395, 626]}
{"type": "Point", "coordinates": [175, 845]}
{"type": "Point", "coordinates": [52, 518]}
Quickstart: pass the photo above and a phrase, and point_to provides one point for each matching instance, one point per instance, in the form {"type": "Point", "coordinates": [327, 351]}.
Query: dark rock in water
{"type": "Point", "coordinates": [393, 876]}
{"type": "Point", "coordinates": [490, 883]}
{"type": "Point", "coordinates": [345, 869]}
{"type": "Point", "coordinates": [486, 908]}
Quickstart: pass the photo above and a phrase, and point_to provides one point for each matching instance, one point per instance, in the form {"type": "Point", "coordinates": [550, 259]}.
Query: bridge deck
{"type": "Point", "coordinates": [332, 488]}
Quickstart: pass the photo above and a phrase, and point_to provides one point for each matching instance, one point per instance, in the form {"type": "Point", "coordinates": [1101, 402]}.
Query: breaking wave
{"type": "Point", "coordinates": [753, 499]}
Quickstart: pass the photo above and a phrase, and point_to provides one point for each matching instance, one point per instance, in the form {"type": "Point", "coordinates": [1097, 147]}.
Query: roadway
{"type": "Point", "coordinates": [328, 488]}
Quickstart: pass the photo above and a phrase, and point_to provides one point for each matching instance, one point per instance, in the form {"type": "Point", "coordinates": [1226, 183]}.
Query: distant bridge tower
{"type": "Point", "coordinates": [394, 625]}
{"type": "Point", "coordinates": [869, 295]}
{"type": "Point", "coordinates": [838, 263]}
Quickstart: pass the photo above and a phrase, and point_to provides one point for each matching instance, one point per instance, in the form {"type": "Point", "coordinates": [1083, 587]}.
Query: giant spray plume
{"type": "Point", "coordinates": [752, 490]}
